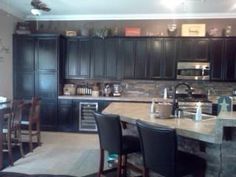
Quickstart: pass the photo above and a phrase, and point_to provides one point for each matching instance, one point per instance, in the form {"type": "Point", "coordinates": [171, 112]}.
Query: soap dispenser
{"type": "Point", "coordinates": [153, 106]}
{"type": "Point", "coordinates": [198, 114]}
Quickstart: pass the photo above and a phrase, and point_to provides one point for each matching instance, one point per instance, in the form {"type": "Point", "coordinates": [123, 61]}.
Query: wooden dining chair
{"type": "Point", "coordinates": [31, 123]}
{"type": "Point", "coordinates": [12, 129]}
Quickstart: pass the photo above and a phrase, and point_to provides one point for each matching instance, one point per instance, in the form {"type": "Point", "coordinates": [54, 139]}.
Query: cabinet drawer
{"type": "Point", "coordinates": [65, 101]}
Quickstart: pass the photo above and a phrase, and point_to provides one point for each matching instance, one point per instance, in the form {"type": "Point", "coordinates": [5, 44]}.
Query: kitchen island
{"type": "Point", "coordinates": [204, 138]}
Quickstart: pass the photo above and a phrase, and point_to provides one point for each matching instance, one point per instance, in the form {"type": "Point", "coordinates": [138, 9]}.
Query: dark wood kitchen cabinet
{"type": "Point", "coordinates": [223, 59]}
{"type": "Point", "coordinates": [216, 54]}
{"type": "Point", "coordinates": [76, 115]}
{"type": "Point", "coordinates": [230, 59]}
{"type": "Point", "coordinates": [36, 62]}
{"type": "Point", "coordinates": [193, 49]}
{"type": "Point", "coordinates": [162, 58]}
{"type": "Point", "coordinates": [113, 63]}
{"type": "Point", "coordinates": [77, 64]}
{"type": "Point", "coordinates": [134, 56]}
{"type": "Point", "coordinates": [98, 58]}
{"type": "Point", "coordinates": [67, 122]}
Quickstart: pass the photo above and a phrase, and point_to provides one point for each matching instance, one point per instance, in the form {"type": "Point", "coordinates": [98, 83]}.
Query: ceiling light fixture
{"type": "Point", "coordinates": [35, 12]}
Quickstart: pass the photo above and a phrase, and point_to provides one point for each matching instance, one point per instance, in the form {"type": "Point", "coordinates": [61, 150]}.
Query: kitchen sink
{"type": "Point", "coordinates": [191, 115]}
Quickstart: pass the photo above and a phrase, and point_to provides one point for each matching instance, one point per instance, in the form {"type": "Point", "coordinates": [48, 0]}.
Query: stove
{"type": "Point", "coordinates": [188, 103]}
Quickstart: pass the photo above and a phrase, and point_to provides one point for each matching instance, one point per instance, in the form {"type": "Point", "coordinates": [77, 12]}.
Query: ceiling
{"type": "Point", "coordinates": [122, 9]}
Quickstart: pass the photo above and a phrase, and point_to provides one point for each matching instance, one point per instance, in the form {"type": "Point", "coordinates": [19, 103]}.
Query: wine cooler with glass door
{"type": "Point", "coordinates": [86, 118]}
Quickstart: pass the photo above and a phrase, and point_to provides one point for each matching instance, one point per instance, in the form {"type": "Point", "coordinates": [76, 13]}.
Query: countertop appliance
{"type": "Point", "coordinates": [117, 90]}
{"type": "Point", "coordinates": [69, 89]}
{"type": "Point", "coordinates": [193, 70]}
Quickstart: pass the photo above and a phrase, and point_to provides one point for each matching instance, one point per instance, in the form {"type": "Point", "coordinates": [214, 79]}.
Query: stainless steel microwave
{"type": "Point", "coordinates": [193, 70]}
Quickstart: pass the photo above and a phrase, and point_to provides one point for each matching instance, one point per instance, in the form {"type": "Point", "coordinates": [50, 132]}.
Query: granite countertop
{"type": "Point", "coordinates": [122, 98]}
{"type": "Point", "coordinates": [209, 130]}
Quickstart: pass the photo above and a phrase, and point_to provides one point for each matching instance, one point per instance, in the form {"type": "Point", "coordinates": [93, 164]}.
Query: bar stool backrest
{"type": "Point", "coordinates": [109, 131]}
{"type": "Point", "coordinates": [159, 147]}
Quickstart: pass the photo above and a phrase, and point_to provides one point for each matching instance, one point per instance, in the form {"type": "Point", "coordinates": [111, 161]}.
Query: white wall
{"type": "Point", "coordinates": [7, 28]}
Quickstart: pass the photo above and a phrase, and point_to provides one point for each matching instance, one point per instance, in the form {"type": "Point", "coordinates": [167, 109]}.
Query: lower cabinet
{"type": "Point", "coordinates": [66, 120]}
{"type": "Point", "coordinates": [77, 115]}
{"type": "Point", "coordinates": [48, 115]}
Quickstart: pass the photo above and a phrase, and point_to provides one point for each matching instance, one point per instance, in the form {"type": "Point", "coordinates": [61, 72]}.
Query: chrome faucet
{"type": "Point", "coordinates": [175, 105]}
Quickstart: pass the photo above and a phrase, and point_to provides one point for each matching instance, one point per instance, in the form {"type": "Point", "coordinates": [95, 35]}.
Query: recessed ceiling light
{"type": "Point", "coordinates": [172, 4]}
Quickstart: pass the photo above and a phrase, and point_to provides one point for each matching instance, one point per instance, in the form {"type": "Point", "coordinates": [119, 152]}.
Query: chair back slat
{"type": "Point", "coordinates": [35, 109]}
{"type": "Point", "coordinates": [17, 108]}
{"type": "Point", "coordinates": [109, 131]}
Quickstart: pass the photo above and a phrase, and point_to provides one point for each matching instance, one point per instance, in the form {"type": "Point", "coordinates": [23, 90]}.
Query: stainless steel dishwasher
{"type": "Point", "coordinates": [86, 118]}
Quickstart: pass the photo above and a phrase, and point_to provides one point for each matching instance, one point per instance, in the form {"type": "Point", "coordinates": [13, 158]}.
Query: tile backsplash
{"type": "Point", "coordinates": [155, 88]}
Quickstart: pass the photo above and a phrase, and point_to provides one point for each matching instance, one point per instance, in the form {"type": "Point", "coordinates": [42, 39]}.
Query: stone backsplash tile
{"type": "Point", "coordinates": [156, 88]}
{"type": "Point", "coordinates": [152, 88]}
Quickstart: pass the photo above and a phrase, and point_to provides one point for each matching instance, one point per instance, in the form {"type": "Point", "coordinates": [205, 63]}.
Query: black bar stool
{"type": "Point", "coordinates": [112, 140]}
{"type": "Point", "coordinates": [160, 154]}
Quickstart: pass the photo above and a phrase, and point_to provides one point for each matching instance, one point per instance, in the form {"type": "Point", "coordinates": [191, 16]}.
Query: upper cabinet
{"type": "Point", "coordinates": [193, 49]}
{"type": "Point", "coordinates": [216, 54]}
{"type": "Point", "coordinates": [98, 58]}
{"type": "Point", "coordinates": [230, 56]}
{"type": "Point", "coordinates": [77, 64]}
{"type": "Point", "coordinates": [134, 53]}
{"type": "Point", "coordinates": [162, 58]}
{"type": "Point", "coordinates": [24, 51]}
{"type": "Point", "coordinates": [223, 59]}
{"type": "Point", "coordinates": [113, 63]}
{"type": "Point", "coordinates": [136, 57]}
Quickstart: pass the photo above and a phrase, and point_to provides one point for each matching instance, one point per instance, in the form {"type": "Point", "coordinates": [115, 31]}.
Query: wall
{"type": "Point", "coordinates": [8, 24]}
{"type": "Point", "coordinates": [155, 27]}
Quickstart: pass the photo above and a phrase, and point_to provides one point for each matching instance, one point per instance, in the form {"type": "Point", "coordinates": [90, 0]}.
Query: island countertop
{"type": "Point", "coordinates": [209, 130]}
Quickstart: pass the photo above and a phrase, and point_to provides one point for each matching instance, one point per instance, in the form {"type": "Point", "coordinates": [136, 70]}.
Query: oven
{"type": "Point", "coordinates": [193, 70]}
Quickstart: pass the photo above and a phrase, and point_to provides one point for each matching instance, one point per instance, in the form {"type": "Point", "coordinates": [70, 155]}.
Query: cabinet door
{"type": "Point", "coordinates": [155, 58]}
{"type": "Point", "coordinates": [111, 54]}
{"type": "Point", "coordinates": [48, 115]}
{"type": "Point", "coordinates": [46, 53]}
{"type": "Point", "coordinates": [84, 58]}
{"type": "Point", "coordinates": [72, 70]}
{"type": "Point", "coordinates": [66, 121]}
{"type": "Point", "coordinates": [200, 49]}
{"type": "Point", "coordinates": [185, 48]}
{"type": "Point", "coordinates": [24, 85]}
{"type": "Point", "coordinates": [216, 49]}
{"type": "Point", "coordinates": [193, 49]}
{"type": "Point", "coordinates": [169, 60]}
{"type": "Point", "coordinates": [98, 58]}
{"type": "Point", "coordinates": [46, 84]}
{"type": "Point", "coordinates": [230, 57]}
{"type": "Point", "coordinates": [77, 58]}
{"type": "Point", "coordinates": [23, 55]}
{"type": "Point", "coordinates": [141, 58]}
{"type": "Point", "coordinates": [128, 57]}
